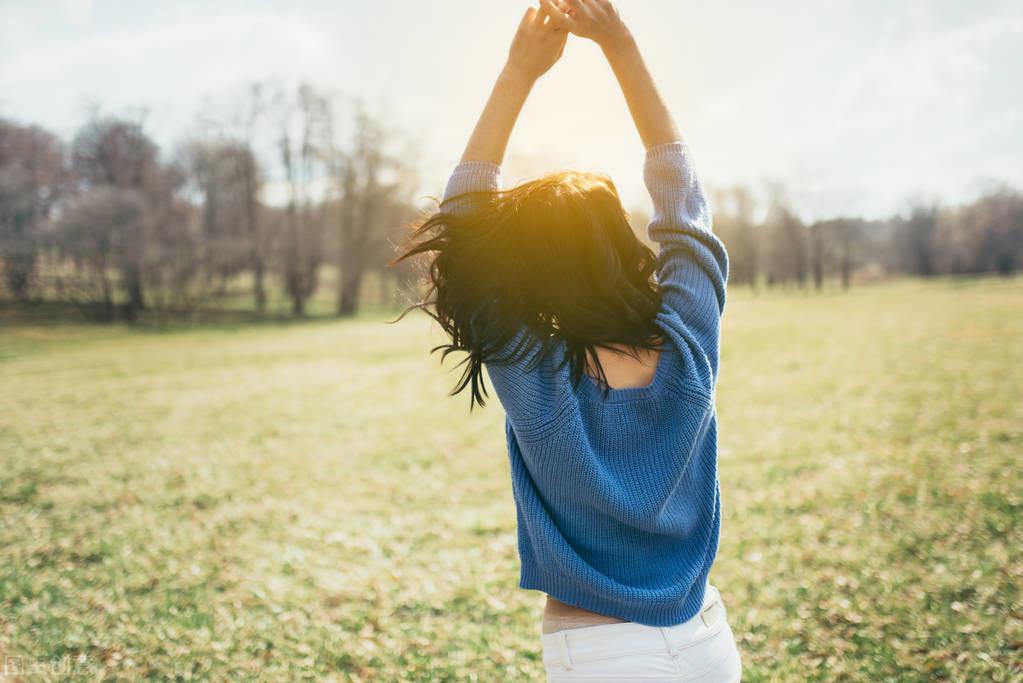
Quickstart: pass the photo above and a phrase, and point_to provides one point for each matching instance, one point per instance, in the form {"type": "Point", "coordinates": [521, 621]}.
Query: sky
{"type": "Point", "coordinates": [854, 106]}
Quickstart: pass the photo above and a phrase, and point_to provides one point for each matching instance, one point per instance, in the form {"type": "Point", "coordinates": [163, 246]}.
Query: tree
{"type": "Point", "coordinates": [734, 222]}
{"type": "Point", "coordinates": [223, 175]}
{"type": "Point", "coordinates": [816, 233]}
{"type": "Point", "coordinates": [100, 232]}
{"type": "Point", "coordinates": [304, 124]}
{"type": "Point", "coordinates": [985, 236]}
{"type": "Point", "coordinates": [240, 125]}
{"type": "Point", "coordinates": [117, 153]}
{"type": "Point", "coordinates": [835, 242]}
{"type": "Point", "coordinates": [33, 178]}
{"type": "Point", "coordinates": [372, 186]}
{"type": "Point", "coordinates": [170, 243]}
{"type": "Point", "coordinates": [847, 234]}
{"type": "Point", "coordinates": [914, 239]}
{"type": "Point", "coordinates": [787, 249]}
{"type": "Point", "coordinates": [136, 200]}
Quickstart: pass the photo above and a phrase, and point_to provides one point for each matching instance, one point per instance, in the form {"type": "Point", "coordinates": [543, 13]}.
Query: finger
{"type": "Point", "coordinates": [530, 16]}
{"type": "Point", "coordinates": [559, 18]}
{"type": "Point", "coordinates": [553, 11]}
{"type": "Point", "coordinates": [546, 21]}
{"type": "Point", "coordinates": [539, 15]}
{"type": "Point", "coordinates": [604, 7]}
{"type": "Point", "coordinates": [565, 9]}
{"type": "Point", "coordinates": [575, 7]}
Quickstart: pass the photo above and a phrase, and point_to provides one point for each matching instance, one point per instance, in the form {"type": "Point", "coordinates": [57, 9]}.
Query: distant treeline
{"type": "Point", "coordinates": [106, 221]}
{"type": "Point", "coordinates": [982, 237]}
{"type": "Point", "coordinates": [279, 185]}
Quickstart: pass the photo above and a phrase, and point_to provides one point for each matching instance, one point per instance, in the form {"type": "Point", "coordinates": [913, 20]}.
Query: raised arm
{"type": "Point", "coordinates": [692, 262]}
{"type": "Point", "coordinates": [599, 21]}
{"type": "Point", "coordinates": [537, 45]}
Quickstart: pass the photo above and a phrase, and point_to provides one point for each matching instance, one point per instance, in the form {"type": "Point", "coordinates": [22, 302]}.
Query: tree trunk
{"type": "Point", "coordinates": [136, 302]}
{"type": "Point", "coordinates": [18, 270]}
{"type": "Point", "coordinates": [108, 298]}
{"type": "Point", "coordinates": [818, 257]}
{"type": "Point", "coordinates": [351, 285]}
{"type": "Point", "coordinates": [259, 286]}
{"type": "Point", "coordinates": [297, 303]}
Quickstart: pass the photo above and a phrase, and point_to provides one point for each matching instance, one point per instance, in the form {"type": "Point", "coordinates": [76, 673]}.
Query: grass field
{"type": "Point", "coordinates": [285, 502]}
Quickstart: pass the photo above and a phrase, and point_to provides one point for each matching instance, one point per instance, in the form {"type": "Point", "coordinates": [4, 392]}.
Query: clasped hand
{"type": "Point", "coordinates": [540, 39]}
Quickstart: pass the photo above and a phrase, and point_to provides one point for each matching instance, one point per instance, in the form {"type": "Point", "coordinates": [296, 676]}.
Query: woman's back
{"type": "Point", "coordinates": [626, 368]}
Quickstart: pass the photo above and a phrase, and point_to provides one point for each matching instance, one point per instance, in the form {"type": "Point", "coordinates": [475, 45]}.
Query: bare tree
{"type": "Point", "coordinates": [100, 232]}
{"type": "Point", "coordinates": [171, 242]}
{"type": "Point", "coordinates": [846, 234]}
{"type": "Point", "coordinates": [833, 246]}
{"type": "Point", "coordinates": [118, 153]}
{"type": "Point", "coordinates": [33, 177]}
{"type": "Point", "coordinates": [914, 239]}
{"type": "Point", "coordinates": [250, 177]}
{"type": "Point", "coordinates": [787, 249]}
{"type": "Point", "coordinates": [115, 160]}
{"type": "Point", "coordinates": [398, 278]}
{"type": "Point", "coordinates": [304, 125]}
{"type": "Point", "coordinates": [240, 125]}
{"type": "Point", "coordinates": [221, 174]}
{"type": "Point", "coordinates": [817, 237]}
{"type": "Point", "coordinates": [373, 186]}
{"type": "Point", "coordinates": [985, 236]}
{"type": "Point", "coordinates": [734, 221]}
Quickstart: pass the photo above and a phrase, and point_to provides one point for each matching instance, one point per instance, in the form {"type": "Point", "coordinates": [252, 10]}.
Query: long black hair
{"type": "Point", "coordinates": [556, 257]}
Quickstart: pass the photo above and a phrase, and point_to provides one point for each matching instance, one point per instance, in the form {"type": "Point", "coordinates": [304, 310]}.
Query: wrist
{"type": "Point", "coordinates": [617, 43]}
{"type": "Point", "coordinates": [517, 76]}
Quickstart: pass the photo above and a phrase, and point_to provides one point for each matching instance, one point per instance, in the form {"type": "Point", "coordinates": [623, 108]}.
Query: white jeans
{"type": "Point", "coordinates": [702, 650]}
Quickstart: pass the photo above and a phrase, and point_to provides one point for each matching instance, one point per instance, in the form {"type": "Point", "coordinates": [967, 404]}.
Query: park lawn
{"type": "Point", "coordinates": [286, 502]}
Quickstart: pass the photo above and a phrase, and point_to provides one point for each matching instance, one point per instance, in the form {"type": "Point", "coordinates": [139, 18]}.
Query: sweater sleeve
{"type": "Point", "coordinates": [692, 264]}
{"type": "Point", "coordinates": [530, 389]}
{"type": "Point", "coordinates": [469, 176]}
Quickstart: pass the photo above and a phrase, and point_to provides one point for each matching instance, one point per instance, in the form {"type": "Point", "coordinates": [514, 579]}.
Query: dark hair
{"type": "Point", "coordinates": [555, 256]}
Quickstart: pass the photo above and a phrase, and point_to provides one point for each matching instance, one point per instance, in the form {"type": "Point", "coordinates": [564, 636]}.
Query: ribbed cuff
{"type": "Point", "coordinates": [477, 174]}
{"type": "Point", "coordinates": [667, 149]}
{"type": "Point", "coordinates": [470, 176]}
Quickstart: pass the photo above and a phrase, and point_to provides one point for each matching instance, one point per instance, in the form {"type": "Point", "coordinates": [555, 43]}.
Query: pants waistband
{"type": "Point", "coordinates": [571, 646]}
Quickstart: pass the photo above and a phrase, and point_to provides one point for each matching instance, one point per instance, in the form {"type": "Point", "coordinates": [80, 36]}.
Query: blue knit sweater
{"type": "Point", "coordinates": [617, 498]}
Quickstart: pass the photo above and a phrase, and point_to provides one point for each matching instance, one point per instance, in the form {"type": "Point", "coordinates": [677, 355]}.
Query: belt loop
{"type": "Point", "coordinates": [565, 654]}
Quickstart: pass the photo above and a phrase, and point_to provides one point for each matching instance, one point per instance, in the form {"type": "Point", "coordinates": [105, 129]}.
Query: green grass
{"type": "Point", "coordinates": [304, 502]}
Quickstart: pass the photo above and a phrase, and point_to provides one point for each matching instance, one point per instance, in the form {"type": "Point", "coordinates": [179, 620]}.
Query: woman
{"type": "Point", "coordinates": [606, 375]}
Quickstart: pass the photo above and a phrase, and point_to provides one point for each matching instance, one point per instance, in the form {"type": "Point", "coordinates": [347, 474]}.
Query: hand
{"type": "Point", "coordinates": [537, 45]}
{"type": "Point", "coordinates": [597, 20]}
